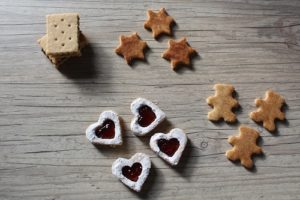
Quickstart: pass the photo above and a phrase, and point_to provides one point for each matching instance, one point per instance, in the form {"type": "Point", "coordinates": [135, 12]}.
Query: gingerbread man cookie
{"type": "Point", "coordinates": [269, 110]}
{"type": "Point", "coordinates": [244, 146]}
{"type": "Point", "coordinates": [222, 103]}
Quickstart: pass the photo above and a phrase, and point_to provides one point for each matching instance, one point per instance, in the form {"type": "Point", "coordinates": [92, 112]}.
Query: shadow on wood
{"type": "Point", "coordinates": [221, 123]}
{"type": "Point", "coordinates": [183, 168]}
{"type": "Point", "coordinates": [164, 127]}
{"type": "Point", "coordinates": [285, 122]}
{"type": "Point", "coordinates": [85, 70]}
{"type": "Point", "coordinates": [149, 184]}
{"type": "Point", "coordinates": [81, 67]}
{"type": "Point", "coordinates": [180, 69]}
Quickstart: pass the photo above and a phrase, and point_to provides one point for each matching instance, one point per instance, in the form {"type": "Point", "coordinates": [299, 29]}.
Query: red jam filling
{"type": "Point", "coordinates": [106, 130]}
{"type": "Point", "coordinates": [168, 147]}
{"type": "Point", "coordinates": [146, 116]}
{"type": "Point", "coordinates": [133, 172]}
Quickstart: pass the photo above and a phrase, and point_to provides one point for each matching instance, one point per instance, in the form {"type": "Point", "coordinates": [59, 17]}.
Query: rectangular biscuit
{"type": "Point", "coordinates": [62, 34]}
{"type": "Point", "coordinates": [58, 60]}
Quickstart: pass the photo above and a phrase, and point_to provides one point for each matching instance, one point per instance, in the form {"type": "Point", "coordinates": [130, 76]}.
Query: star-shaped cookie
{"type": "Point", "coordinates": [160, 23]}
{"type": "Point", "coordinates": [131, 47]}
{"type": "Point", "coordinates": [244, 146]}
{"type": "Point", "coordinates": [222, 103]}
{"type": "Point", "coordinates": [179, 53]}
{"type": "Point", "coordinates": [269, 110]}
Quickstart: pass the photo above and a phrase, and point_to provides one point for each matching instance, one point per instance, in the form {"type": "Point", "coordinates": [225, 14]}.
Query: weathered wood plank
{"type": "Point", "coordinates": [44, 154]}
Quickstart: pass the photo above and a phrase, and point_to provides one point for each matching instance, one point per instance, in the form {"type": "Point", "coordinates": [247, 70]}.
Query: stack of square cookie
{"type": "Point", "coordinates": [63, 39]}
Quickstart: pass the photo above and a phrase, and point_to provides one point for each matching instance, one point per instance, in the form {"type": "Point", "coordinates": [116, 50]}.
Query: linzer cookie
{"type": "Point", "coordinates": [106, 131]}
{"type": "Point", "coordinates": [132, 172]}
{"type": "Point", "coordinates": [147, 116]}
{"type": "Point", "coordinates": [269, 110]}
{"type": "Point", "coordinates": [179, 53]}
{"type": "Point", "coordinates": [222, 103]}
{"type": "Point", "coordinates": [169, 146]}
{"type": "Point", "coordinates": [159, 23]}
{"type": "Point", "coordinates": [63, 34]}
{"type": "Point", "coordinates": [244, 146]}
{"type": "Point", "coordinates": [131, 47]}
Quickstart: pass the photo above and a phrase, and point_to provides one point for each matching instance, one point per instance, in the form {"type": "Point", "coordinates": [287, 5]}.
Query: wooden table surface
{"type": "Point", "coordinates": [44, 154]}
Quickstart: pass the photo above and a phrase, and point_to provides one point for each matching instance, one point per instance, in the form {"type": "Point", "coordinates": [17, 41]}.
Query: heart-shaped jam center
{"type": "Point", "coordinates": [168, 147]}
{"type": "Point", "coordinates": [133, 172]}
{"type": "Point", "coordinates": [146, 116]}
{"type": "Point", "coordinates": [106, 130]}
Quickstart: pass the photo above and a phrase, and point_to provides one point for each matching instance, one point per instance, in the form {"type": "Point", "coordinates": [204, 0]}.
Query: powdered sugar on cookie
{"type": "Point", "coordinates": [132, 172]}
{"type": "Point", "coordinates": [147, 116]}
{"type": "Point", "coordinates": [169, 146]}
{"type": "Point", "coordinates": [107, 131]}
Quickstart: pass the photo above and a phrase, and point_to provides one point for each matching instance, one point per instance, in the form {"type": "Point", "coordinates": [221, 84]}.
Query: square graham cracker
{"type": "Point", "coordinates": [58, 60]}
{"type": "Point", "coordinates": [63, 34]}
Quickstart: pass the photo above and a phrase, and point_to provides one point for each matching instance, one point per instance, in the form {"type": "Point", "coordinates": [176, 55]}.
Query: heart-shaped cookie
{"type": "Point", "coordinates": [132, 172]}
{"type": "Point", "coordinates": [147, 116]}
{"type": "Point", "coordinates": [169, 146]}
{"type": "Point", "coordinates": [107, 131]}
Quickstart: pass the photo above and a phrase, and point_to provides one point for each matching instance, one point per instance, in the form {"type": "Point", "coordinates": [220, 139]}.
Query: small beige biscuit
{"type": "Point", "coordinates": [82, 43]}
{"type": "Point", "coordinates": [58, 60]}
{"type": "Point", "coordinates": [159, 22]}
{"type": "Point", "coordinates": [244, 146]}
{"type": "Point", "coordinates": [269, 110]}
{"type": "Point", "coordinates": [63, 32]}
{"type": "Point", "coordinates": [179, 53]}
{"type": "Point", "coordinates": [131, 47]}
{"type": "Point", "coordinates": [222, 103]}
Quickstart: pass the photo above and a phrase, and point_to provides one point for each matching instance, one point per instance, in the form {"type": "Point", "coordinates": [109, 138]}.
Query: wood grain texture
{"type": "Point", "coordinates": [254, 45]}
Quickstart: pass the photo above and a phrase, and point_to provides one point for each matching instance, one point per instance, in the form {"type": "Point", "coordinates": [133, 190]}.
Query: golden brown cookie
{"type": "Point", "coordinates": [244, 146]}
{"type": "Point", "coordinates": [159, 23]}
{"type": "Point", "coordinates": [179, 52]}
{"type": "Point", "coordinates": [222, 103]}
{"type": "Point", "coordinates": [62, 34]}
{"type": "Point", "coordinates": [131, 47]}
{"type": "Point", "coordinates": [269, 110]}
